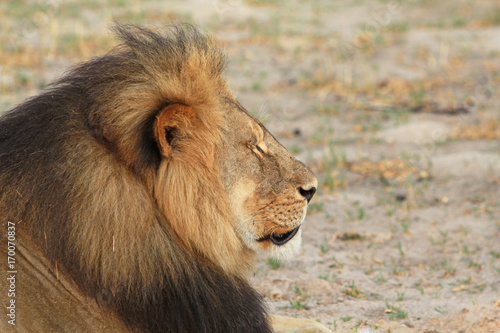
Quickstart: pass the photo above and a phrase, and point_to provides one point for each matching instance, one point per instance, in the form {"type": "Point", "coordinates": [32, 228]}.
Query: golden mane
{"type": "Point", "coordinates": [80, 167]}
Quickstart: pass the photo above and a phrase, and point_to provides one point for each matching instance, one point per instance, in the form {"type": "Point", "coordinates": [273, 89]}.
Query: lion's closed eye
{"type": "Point", "coordinates": [259, 149]}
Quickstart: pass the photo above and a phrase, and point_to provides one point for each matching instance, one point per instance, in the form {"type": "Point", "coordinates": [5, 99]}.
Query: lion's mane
{"type": "Point", "coordinates": [81, 172]}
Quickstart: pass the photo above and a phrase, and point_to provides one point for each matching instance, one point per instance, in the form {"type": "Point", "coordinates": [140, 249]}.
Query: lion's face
{"type": "Point", "coordinates": [268, 189]}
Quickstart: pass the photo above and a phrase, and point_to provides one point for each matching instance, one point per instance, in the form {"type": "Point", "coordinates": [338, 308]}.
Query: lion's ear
{"type": "Point", "coordinates": [171, 123]}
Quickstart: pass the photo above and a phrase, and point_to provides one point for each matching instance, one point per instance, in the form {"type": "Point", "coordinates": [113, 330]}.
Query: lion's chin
{"type": "Point", "coordinates": [283, 245]}
{"type": "Point", "coordinates": [286, 250]}
{"type": "Point", "coordinates": [280, 239]}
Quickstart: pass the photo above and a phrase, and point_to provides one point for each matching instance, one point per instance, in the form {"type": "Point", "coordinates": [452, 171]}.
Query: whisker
{"type": "Point", "coordinates": [261, 221]}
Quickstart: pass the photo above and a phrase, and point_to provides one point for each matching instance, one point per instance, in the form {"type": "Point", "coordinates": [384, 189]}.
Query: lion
{"type": "Point", "coordinates": [136, 191]}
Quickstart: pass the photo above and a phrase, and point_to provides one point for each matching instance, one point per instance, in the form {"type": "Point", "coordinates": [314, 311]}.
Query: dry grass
{"type": "Point", "coordinates": [395, 168]}
{"type": "Point", "coordinates": [486, 130]}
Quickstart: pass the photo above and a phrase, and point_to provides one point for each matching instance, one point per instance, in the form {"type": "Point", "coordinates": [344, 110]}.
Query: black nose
{"type": "Point", "coordinates": [308, 194]}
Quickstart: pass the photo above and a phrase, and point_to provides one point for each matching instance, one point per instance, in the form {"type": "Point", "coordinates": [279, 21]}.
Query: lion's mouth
{"type": "Point", "coordinates": [280, 239]}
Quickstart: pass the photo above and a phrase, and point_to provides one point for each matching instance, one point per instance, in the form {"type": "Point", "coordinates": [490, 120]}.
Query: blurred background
{"type": "Point", "coordinates": [393, 104]}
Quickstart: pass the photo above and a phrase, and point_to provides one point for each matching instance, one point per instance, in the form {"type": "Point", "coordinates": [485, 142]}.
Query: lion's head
{"type": "Point", "coordinates": [233, 162]}
{"type": "Point", "coordinates": [139, 174]}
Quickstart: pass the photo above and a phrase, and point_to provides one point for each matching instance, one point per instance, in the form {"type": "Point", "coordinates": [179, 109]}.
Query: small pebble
{"type": "Point", "coordinates": [400, 197]}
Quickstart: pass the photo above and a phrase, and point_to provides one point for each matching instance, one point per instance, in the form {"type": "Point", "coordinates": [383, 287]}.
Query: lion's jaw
{"type": "Point", "coordinates": [268, 189]}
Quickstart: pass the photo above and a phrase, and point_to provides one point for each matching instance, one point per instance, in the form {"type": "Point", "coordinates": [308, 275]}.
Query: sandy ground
{"type": "Point", "coordinates": [395, 105]}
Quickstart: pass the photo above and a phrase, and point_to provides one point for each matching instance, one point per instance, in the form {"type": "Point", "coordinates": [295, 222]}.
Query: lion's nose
{"type": "Point", "coordinates": [308, 194]}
